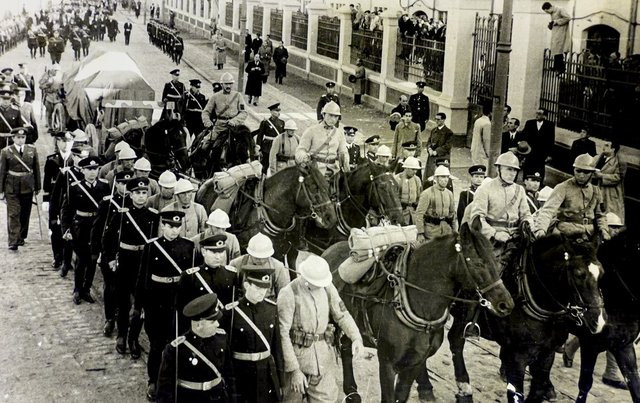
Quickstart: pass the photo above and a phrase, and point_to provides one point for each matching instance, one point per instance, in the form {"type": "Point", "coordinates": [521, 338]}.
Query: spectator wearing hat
{"type": "Point", "coordinates": [399, 111]}
{"type": "Point", "coordinates": [477, 174]}
{"type": "Point", "coordinates": [409, 189]}
{"type": "Point", "coordinates": [406, 131]}
{"type": "Point", "coordinates": [256, 352]}
{"type": "Point", "coordinates": [419, 104]}
{"type": "Point", "coordinates": [167, 183]}
{"type": "Point", "coordinates": [352, 148]}
{"type": "Point", "coordinates": [157, 288]}
{"type": "Point", "coordinates": [78, 212]}
{"type": "Point", "coordinates": [255, 70]}
{"type": "Point", "coordinates": [269, 130]}
{"type": "Point", "coordinates": [173, 92]}
{"type": "Point", "coordinates": [481, 137]}
{"type": "Point", "coordinates": [582, 145]}
{"type": "Point", "coordinates": [435, 214]}
{"type": "Point", "coordinates": [126, 161]}
{"type": "Point", "coordinates": [305, 307]}
{"type": "Point", "coordinates": [512, 136]}
{"type": "Point", "coordinates": [280, 58]}
{"type": "Point", "coordinates": [10, 117]}
{"type": "Point", "coordinates": [195, 365]}
{"type": "Point", "coordinates": [195, 214]}
{"type": "Point", "coordinates": [217, 224]}
{"type": "Point", "coordinates": [531, 187]}
{"type": "Point", "coordinates": [109, 166]}
{"type": "Point", "coordinates": [195, 101]}
{"type": "Point", "coordinates": [220, 46]}
{"type": "Point", "coordinates": [19, 182]}
{"type": "Point", "coordinates": [283, 148]}
{"type": "Point", "coordinates": [260, 253]}
{"type": "Point", "coordinates": [329, 96]}
{"type": "Point", "coordinates": [124, 239]}
{"type": "Point", "coordinates": [266, 54]}
{"type": "Point", "coordinates": [142, 169]}
{"type": "Point", "coordinates": [610, 178]}
{"type": "Point", "coordinates": [371, 145]}
{"type": "Point", "coordinates": [439, 144]}
{"type": "Point", "coordinates": [359, 82]}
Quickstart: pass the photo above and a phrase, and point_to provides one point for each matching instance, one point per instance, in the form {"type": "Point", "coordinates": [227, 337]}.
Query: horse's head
{"type": "Point", "coordinates": [568, 271]}
{"type": "Point", "coordinates": [379, 189]}
{"type": "Point", "coordinates": [313, 195]}
{"type": "Point", "coordinates": [621, 281]}
{"type": "Point", "coordinates": [478, 270]}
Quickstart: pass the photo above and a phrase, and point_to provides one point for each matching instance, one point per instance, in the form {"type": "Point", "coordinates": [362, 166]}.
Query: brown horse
{"type": "Point", "coordinates": [406, 306]}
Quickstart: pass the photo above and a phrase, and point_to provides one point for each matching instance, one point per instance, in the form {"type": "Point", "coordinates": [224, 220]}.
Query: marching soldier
{"type": "Point", "coordinates": [419, 104]}
{"type": "Point", "coordinates": [256, 353]}
{"type": "Point", "coordinates": [126, 161]}
{"type": "Point", "coordinates": [19, 182]}
{"type": "Point", "coordinates": [410, 189]}
{"type": "Point", "coordinates": [217, 224]}
{"type": "Point", "coordinates": [283, 148]}
{"type": "Point", "coordinates": [173, 91]}
{"type": "Point", "coordinates": [76, 43]}
{"type": "Point", "coordinates": [142, 169]}
{"type": "Point", "coordinates": [325, 143]}
{"type": "Point", "coordinates": [85, 39]}
{"type": "Point", "coordinates": [268, 131]}
{"type": "Point", "coordinates": [477, 173]}
{"type": "Point", "coordinates": [111, 165]}
{"type": "Point", "coordinates": [330, 96]}
{"type": "Point", "coordinates": [78, 212]}
{"type": "Point", "coordinates": [25, 81]}
{"type": "Point", "coordinates": [195, 365]}
{"type": "Point", "coordinates": [127, 31]}
{"type": "Point", "coordinates": [352, 148]}
{"type": "Point", "coordinates": [56, 47]}
{"type": "Point", "coordinates": [195, 214]}
{"type": "Point", "coordinates": [10, 117]}
{"type": "Point", "coordinates": [163, 260]}
{"type": "Point", "coordinates": [194, 105]}
{"type": "Point", "coordinates": [167, 183]}
{"type": "Point", "coordinates": [436, 213]}
{"type": "Point", "coordinates": [49, 86]}
{"type": "Point", "coordinates": [124, 239]}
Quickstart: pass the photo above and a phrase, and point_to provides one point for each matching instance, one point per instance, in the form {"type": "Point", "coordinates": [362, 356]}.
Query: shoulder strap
{"type": "Point", "coordinates": [227, 106]}
{"type": "Point", "coordinates": [5, 122]}
{"type": "Point", "coordinates": [253, 326]}
{"type": "Point", "coordinates": [195, 99]}
{"type": "Point", "coordinates": [20, 160]}
{"type": "Point", "coordinates": [202, 357]}
{"type": "Point", "coordinates": [273, 126]}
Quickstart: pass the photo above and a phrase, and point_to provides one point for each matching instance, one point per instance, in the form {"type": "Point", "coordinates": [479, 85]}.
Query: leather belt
{"type": "Point", "coordinates": [194, 110]}
{"type": "Point", "coordinates": [284, 158]}
{"type": "Point", "coordinates": [165, 280]}
{"type": "Point", "coordinates": [325, 160]}
{"type": "Point", "coordinates": [15, 173]}
{"type": "Point", "coordinates": [173, 96]}
{"type": "Point", "coordinates": [269, 138]}
{"type": "Point", "coordinates": [577, 220]}
{"type": "Point", "coordinates": [251, 356]}
{"type": "Point", "coordinates": [437, 220]}
{"type": "Point", "coordinates": [502, 224]}
{"type": "Point", "coordinates": [201, 386]}
{"type": "Point", "coordinates": [126, 246]}
{"type": "Point", "coordinates": [85, 213]}
{"type": "Point", "coordinates": [405, 205]}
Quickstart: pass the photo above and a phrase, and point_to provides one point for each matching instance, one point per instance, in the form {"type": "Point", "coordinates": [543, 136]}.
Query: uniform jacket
{"type": "Point", "coordinates": [77, 200]}
{"type": "Point", "coordinates": [440, 141]}
{"type": "Point", "coordinates": [194, 219]}
{"type": "Point", "coordinates": [409, 189]}
{"type": "Point", "coordinates": [158, 202]}
{"type": "Point", "coordinates": [228, 106]}
{"type": "Point", "coordinates": [465, 198]}
{"type": "Point", "coordinates": [121, 230]}
{"type": "Point", "coordinates": [325, 99]}
{"type": "Point", "coordinates": [404, 133]}
{"type": "Point", "coordinates": [60, 191]}
{"type": "Point", "coordinates": [29, 121]}
{"type": "Point", "coordinates": [326, 142]}
{"type": "Point", "coordinates": [52, 167]}
{"type": "Point", "coordinates": [56, 45]}
{"type": "Point", "coordinates": [27, 82]}
{"type": "Point", "coordinates": [354, 155]}
{"type": "Point", "coordinates": [283, 151]}
{"type": "Point", "coordinates": [279, 279]}
{"type": "Point", "coordinates": [532, 201]}
{"type": "Point", "coordinates": [419, 104]}
{"type": "Point", "coordinates": [612, 184]}
{"type": "Point", "coordinates": [173, 91]}
{"type": "Point", "coordinates": [107, 209]}
{"type": "Point", "coordinates": [267, 132]}
{"type": "Point", "coordinates": [9, 163]}
{"type": "Point", "coordinates": [12, 116]}
{"type": "Point", "coordinates": [195, 103]}
{"type": "Point", "coordinates": [435, 202]}
{"type": "Point", "coordinates": [222, 280]}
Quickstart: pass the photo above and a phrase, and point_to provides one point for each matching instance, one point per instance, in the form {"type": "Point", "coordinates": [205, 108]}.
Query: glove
{"type": "Point", "coordinates": [605, 235]}
{"type": "Point", "coordinates": [501, 236]}
{"type": "Point", "coordinates": [113, 265]}
{"type": "Point", "coordinates": [67, 236]}
{"type": "Point", "coordinates": [550, 26]}
{"type": "Point", "coordinates": [45, 206]}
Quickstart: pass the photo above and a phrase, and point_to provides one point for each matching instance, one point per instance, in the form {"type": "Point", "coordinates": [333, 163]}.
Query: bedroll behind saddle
{"type": "Point", "coordinates": [228, 183]}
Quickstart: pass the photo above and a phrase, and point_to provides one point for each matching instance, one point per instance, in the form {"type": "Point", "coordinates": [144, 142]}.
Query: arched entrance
{"type": "Point", "coordinates": [602, 40]}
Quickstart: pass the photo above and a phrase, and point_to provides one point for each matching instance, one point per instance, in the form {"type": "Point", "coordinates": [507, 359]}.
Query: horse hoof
{"type": "Point", "coordinates": [353, 397]}
{"type": "Point", "coordinates": [426, 395]}
{"type": "Point", "coordinates": [464, 398]}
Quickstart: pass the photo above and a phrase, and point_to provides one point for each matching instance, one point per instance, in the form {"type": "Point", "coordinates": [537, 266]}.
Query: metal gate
{"type": "Point", "coordinates": [258, 12]}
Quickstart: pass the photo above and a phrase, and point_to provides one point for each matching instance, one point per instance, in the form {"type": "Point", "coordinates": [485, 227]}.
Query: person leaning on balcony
{"type": "Point", "coordinates": [560, 40]}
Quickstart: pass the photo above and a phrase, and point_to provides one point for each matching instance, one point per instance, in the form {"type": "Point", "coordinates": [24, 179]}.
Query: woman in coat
{"type": "Point", "coordinates": [611, 178]}
{"type": "Point", "coordinates": [221, 51]}
{"type": "Point", "coordinates": [255, 71]}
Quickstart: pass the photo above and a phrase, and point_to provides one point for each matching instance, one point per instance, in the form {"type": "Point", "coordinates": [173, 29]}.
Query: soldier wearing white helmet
{"type": "Point", "coordinates": [283, 148]}
{"type": "Point", "coordinates": [575, 204]}
{"type": "Point", "coordinates": [104, 170]}
{"type": "Point", "coordinates": [142, 169]}
{"type": "Point", "coordinates": [409, 189]}
{"type": "Point", "coordinates": [325, 143]}
{"type": "Point", "coordinates": [305, 307]}
{"type": "Point", "coordinates": [260, 253]}
{"type": "Point", "coordinates": [501, 205]}
{"type": "Point", "coordinates": [227, 106]}
{"type": "Point", "coordinates": [167, 183]}
{"type": "Point", "coordinates": [195, 215]}
{"type": "Point", "coordinates": [218, 223]}
{"type": "Point", "coordinates": [383, 155]}
{"type": "Point", "coordinates": [436, 211]}
{"type": "Point", "coordinates": [126, 159]}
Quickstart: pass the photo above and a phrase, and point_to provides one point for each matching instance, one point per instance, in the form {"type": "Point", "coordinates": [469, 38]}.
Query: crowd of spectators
{"type": "Point", "coordinates": [422, 27]}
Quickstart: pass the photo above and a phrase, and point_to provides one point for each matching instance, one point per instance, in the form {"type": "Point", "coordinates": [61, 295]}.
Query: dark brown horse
{"type": "Point", "coordinates": [292, 194]}
{"type": "Point", "coordinates": [555, 283]}
{"type": "Point", "coordinates": [232, 147]}
{"type": "Point", "coordinates": [165, 145]}
{"type": "Point", "coordinates": [406, 306]}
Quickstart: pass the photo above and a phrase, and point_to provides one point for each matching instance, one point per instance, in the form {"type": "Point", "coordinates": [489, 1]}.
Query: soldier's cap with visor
{"type": "Point", "coordinates": [373, 140]}
{"type": "Point", "coordinates": [183, 186]}
{"type": "Point", "coordinates": [91, 162]}
{"type": "Point", "coordinates": [259, 276]}
{"type": "Point", "coordinates": [7, 70]}
{"type": "Point", "coordinates": [172, 217]}
{"type": "Point", "coordinates": [138, 184]}
{"type": "Point", "coordinates": [217, 87]}
{"type": "Point", "coordinates": [80, 136]}
{"type": "Point", "coordinates": [63, 135]}
{"type": "Point", "coordinates": [410, 145]}
{"type": "Point", "coordinates": [80, 152]}
{"type": "Point", "coordinates": [195, 83]}
{"type": "Point", "coordinates": [142, 164]}
{"type": "Point", "coordinates": [584, 162]}
{"type": "Point", "coordinates": [534, 175]}
{"type": "Point", "coordinates": [477, 170]}
{"type": "Point", "coordinates": [330, 84]}
{"type": "Point", "coordinates": [350, 130]}
{"type": "Point", "coordinates": [19, 131]}
{"type": "Point", "coordinates": [421, 84]}
{"type": "Point", "coordinates": [123, 176]}
{"type": "Point", "coordinates": [204, 307]}
{"type": "Point", "coordinates": [508, 159]}
{"type": "Point", "coordinates": [167, 179]}
{"type": "Point", "coordinates": [214, 243]}
{"type": "Point", "coordinates": [442, 161]}
{"type": "Point", "coordinates": [274, 107]}
{"type": "Point", "coordinates": [175, 72]}
{"type": "Point", "coordinates": [6, 92]}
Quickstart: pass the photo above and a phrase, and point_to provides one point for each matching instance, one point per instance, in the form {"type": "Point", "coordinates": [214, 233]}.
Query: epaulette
{"type": "Point", "coordinates": [107, 198]}
{"type": "Point", "coordinates": [153, 210]}
{"type": "Point", "coordinates": [74, 183]}
{"type": "Point", "coordinates": [178, 341]}
{"type": "Point", "coordinates": [123, 210]}
{"type": "Point", "coordinates": [231, 305]}
{"type": "Point", "coordinates": [15, 107]}
{"type": "Point", "coordinates": [192, 270]}
{"type": "Point", "coordinates": [103, 180]}
{"type": "Point", "coordinates": [30, 145]}
{"type": "Point", "coordinates": [267, 300]}
{"type": "Point", "coordinates": [221, 331]}
{"type": "Point", "coordinates": [231, 268]}
{"type": "Point", "coordinates": [152, 240]}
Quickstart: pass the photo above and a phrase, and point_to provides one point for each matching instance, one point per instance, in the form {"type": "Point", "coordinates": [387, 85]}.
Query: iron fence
{"type": "Point", "coordinates": [483, 65]}
{"type": "Point", "coordinates": [367, 45]}
{"type": "Point", "coordinates": [258, 12]}
{"type": "Point", "coordinates": [328, 36]}
{"type": "Point", "coordinates": [299, 29]}
{"type": "Point", "coordinates": [604, 98]}
{"type": "Point", "coordinates": [420, 60]}
{"type": "Point", "coordinates": [276, 25]}
{"type": "Point", "coordinates": [228, 14]}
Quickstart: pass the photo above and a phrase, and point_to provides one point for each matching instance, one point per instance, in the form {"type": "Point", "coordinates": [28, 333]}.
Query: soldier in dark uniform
{"type": "Point", "coordinates": [25, 81]}
{"type": "Point", "coordinates": [173, 91]}
{"type": "Point", "coordinates": [127, 32]}
{"type": "Point", "coordinates": [267, 132]}
{"type": "Point", "coordinates": [76, 43]}
{"type": "Point", "coordinates": [477, 173]}
{"type": "Point", "coordinates": [256, 353]}
{"type": "Point", "coordinates": [157, 287]}
{"type": "Point", "coordinates": [352, 148]}
{"type": "Point", "coordinates": [195, 365]}
{"type": "Point", "coordinates": [326, 98]}
{"type": "Point", "coordinates": [123, 242]}
{"type": "Point", "coordinates": [19, 182]}
{"type": "Point", "coordinates": [195, 101]}
{"type": "Point", "coordinates": [110, 206]}
{"type": "Point", "coordinates": [221, 278]}
{"type": "Point", "coordinates": [56, 47]}
{"type": "Point", "coordinates": [9, 116]}
{"type": "Point", "coordinates": [371, 145]}
{"type": "Point", "coordinates": [86, 41]}
{"type": "Point", "coordinates": [78, 212]}
{"type": "Point", "coordinates": [419, 104]}
{"type": "Point", "coordinates": [178, 48]}
{"type": "Point", "coordinates": [532, 182]}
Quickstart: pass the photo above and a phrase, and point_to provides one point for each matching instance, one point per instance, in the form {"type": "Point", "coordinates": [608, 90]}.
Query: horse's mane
{"type": "Point", "coordinates": [551, 243]}
{"type": "Point", "coordinates": [314, 173]}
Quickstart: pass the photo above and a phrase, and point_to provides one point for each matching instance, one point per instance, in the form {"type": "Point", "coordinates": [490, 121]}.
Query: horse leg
{"type": "Point", "coordinates": [349, 385]}
{"type": "Point", "coordinates": [456, 345]}
{"type": "Point", "coordinates": [425, 388]}
{"type": "Point", "coordinates": [626, 359]}
{"type": "Point", "coordinates": [514, 365]}
{"type": "Point", "coordinates": [541, 387]}
{"type": "Point", "coordinates": [406, 376]}
{"type": "Point", "coordinates": [387, 380]}
{"type": "Point", "coordinates": [588, 357]}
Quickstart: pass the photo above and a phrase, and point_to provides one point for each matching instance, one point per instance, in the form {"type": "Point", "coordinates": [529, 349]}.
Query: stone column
{"type": "Point", "coordinates": [344, 48]}
{"type": "Point", "coordinates": [236, 16]}
{"type": "Point", "coordinates": [315, 9]}
{"type": "Point", "coordinates": [266, 17]}
{"type": "Point", "coordinates": [288, 8]}
{"type": "Point", "coordinates": [249, 11]}
{"type": "Point", "coordinates": [389, 42]}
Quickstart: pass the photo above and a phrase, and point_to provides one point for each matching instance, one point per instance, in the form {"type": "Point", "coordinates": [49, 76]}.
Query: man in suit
{"type": "Point", "coordinates": [541, 135]}
{"type": "Point", "coordinates": [19, 181]}
{"type": "Point", "coordinates": [511, 137]}
{"type": "Point", "coordinates": [439, 144]}
{"type": "Point", "coordinates": [127, 32]}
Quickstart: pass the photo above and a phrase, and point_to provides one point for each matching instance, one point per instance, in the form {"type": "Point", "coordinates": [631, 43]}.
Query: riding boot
{"type": "Point", "coordinates": [135, 326]}
{"type": "Point", "coordinates": [302, 230]}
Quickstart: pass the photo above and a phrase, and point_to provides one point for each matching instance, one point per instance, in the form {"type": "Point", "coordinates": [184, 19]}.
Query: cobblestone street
{"type": "Point", "coordinates": [54, 351]}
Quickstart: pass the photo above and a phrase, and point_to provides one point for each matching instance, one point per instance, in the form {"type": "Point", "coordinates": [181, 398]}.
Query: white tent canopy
{"type": "Point", "coordinates": [110, 61]}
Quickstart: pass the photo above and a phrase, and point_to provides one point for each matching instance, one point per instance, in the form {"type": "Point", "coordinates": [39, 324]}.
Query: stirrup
{"type": "Point", "coordinates": [471, 334]}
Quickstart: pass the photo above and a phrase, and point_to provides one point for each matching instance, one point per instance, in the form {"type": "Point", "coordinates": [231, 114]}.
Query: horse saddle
{"type": "Point", "coordinates": [240, 204]}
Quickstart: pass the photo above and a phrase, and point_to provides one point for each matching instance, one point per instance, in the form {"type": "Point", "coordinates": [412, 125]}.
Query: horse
{"type": "Point", "coordinates": [165, 146]}
{"type": "Point", "coordinates": [274, 205]}
{"type": "Point", "coordinates": [232, 147]}
{"type": "Point", "coordinates": [621, 291]}
{"type": "Point", "coordinates": [555, 282]}
{"type": "Point", "coordinates": [410, 293]}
